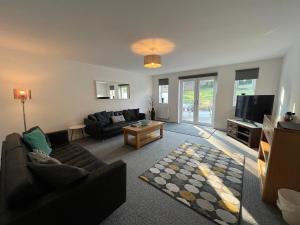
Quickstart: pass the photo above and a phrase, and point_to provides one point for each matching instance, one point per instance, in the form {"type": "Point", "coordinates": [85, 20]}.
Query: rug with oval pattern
{"type": "Point", "coordinates": [206, 179]}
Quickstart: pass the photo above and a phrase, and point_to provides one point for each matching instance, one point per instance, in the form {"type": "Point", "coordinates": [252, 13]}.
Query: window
{"type": "Point", "coordinates": [123, 91]}
{"type": "Point", "coordinates": [245, 81]}
{"type": "Point", "coordinates": [241, 87]}
{"type": "Point", "coordinates": [163, 91]}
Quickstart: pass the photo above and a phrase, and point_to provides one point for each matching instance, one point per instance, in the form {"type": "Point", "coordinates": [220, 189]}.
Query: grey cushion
{"type": "Point", "coordinates": [40, 157]}
{"type": "Point", "coordinates": [118, 119]}
{"type": "Point", "coordinates": [57, 175]}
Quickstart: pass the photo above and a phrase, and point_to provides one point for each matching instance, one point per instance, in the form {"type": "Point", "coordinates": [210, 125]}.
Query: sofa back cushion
{"type": "Point", "coordinates": [103, 118]}
{"type": "Point", "coordinates": [92, 117]}
{"type": "Point", "coordinates": [131, 114]}
{"type": "Point", "coordinates": [20, 185]}
{"type": "Point", "coordinates": [118, 113]}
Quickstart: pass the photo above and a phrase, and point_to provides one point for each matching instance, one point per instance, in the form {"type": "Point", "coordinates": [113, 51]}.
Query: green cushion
{"type": "Point", "coordinates": [37, 140]}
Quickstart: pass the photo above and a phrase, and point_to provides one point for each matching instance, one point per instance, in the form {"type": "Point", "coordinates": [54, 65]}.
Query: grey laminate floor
{"type": "Point", "coordinates": [146, 205]}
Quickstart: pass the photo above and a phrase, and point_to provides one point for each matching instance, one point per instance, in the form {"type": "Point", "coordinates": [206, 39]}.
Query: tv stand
{"type": "Point", "coordinates": [245, 132]}
{"type": "Point", "coordinates": [247, 122]}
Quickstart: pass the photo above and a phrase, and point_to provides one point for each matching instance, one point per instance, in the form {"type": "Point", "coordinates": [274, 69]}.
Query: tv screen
{"type": "Point", "coordinates": [254, 107]}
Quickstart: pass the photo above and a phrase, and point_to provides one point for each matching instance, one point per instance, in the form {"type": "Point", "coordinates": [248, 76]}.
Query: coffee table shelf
{"type": "Point", "coordinates": [143, 134]}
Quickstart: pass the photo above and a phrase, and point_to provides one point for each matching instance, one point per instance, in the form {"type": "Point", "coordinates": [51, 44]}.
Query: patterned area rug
{"type": "Point", "coordinates": [190, 129]}
{"type": "Point", "coordinates": [208, 180]}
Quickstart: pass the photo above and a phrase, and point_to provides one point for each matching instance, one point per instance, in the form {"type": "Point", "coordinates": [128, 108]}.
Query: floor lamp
{"type": "Point", "coordinates": [23, 95]}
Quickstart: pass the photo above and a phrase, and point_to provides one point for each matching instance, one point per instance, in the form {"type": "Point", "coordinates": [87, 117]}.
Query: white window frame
{"type": "Point", "coordinates": [236, 87]}
{"type": "Point", "coordinates": [159, 95]}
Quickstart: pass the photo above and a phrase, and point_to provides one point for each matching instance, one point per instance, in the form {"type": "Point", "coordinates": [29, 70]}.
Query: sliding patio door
{"type": "Point", "coordinates": [197, 100]}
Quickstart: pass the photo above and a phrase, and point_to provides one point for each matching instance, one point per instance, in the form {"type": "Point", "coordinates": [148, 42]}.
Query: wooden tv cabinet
{"type": "Point", "coordinates": [247, 133]}
{"type": "Point", "coordinates": [278, 159]}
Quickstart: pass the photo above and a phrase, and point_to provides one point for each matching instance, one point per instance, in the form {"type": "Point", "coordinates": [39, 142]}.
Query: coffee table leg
{"type": "Point", "coordinates": [138, 142]}
{"type": "Point", "coordinates": [161, 131]}
{"type": "Point", "coordinates": [125, 137]}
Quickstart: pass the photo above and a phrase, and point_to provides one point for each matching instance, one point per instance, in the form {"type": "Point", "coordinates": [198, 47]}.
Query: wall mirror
{"type": "Point", "coordinates": [112, 90]}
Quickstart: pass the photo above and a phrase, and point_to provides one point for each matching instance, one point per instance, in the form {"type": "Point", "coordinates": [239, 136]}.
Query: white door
{"type": "Point", "coordinates": [197, 100]}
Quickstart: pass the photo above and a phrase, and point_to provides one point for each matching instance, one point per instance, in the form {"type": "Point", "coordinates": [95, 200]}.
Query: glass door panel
{"type": "Point", "coordinates": [206, 101]}
{"type": "Point", "coordinates": [188, 101]}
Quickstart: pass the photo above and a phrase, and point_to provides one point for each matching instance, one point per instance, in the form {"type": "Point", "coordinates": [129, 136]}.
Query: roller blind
{"type": "Point", "coordinates": [248, 74]}
{"type": "Point", "coordinates": [163, 81]}
{"type": "Point", "coordinates": [198, 76]}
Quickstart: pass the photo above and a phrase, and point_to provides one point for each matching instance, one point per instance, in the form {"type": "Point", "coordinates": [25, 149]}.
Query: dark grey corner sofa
{"type": "Point", "coordinates": [25, 200]}
{"type": "Point", "coordinates": [99, 125]}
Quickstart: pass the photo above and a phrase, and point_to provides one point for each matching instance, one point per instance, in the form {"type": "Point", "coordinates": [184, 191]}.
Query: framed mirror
{"type": "Point", "coordinates": [112, 90]}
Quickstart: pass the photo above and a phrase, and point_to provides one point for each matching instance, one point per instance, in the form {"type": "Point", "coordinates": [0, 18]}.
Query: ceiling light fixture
{"type": "Point", "coordinates": [152, 61]}
{"type": "Point", "coordinates": [152, 49]}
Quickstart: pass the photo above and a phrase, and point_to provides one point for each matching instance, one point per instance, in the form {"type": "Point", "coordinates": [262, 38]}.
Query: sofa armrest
{"type": "Point", "coordinates": [93, 128]}
{"type": "Point", "coordinates": [86, 202]}
{"type": "Point", "coordinates": [58, 138]}
{"type": "Point", "coordinates": [142, 116]}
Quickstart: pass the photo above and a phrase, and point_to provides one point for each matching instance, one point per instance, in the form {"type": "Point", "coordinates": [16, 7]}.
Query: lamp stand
{"type": "Point", "coordinates": [24, 115]}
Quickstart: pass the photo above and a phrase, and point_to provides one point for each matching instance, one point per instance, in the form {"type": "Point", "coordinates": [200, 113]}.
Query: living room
{"type": "Point", "coordinates": [140, 122]}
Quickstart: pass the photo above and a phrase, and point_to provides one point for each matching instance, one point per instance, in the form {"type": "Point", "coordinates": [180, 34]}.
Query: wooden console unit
{"type": "Point", "coordinates": [278, 159]}
{"type": "Point", "coordinates": [247, 133]}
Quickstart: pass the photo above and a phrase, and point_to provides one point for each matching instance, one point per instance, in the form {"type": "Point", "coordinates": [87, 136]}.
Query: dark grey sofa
{"type": "Point", "coordinates": [99, 125]}
{"type": "Point", "coordinates": [25, 200]}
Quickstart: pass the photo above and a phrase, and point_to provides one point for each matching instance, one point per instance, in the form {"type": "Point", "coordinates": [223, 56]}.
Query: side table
{"type": "Point", "coordinates": [77, 128]}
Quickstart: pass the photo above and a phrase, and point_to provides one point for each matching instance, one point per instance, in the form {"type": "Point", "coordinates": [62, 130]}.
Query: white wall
{"type": "Point", "coordinates": [290, 82]}
{"type": "Point", "coordinates": [269, 76]}
{"type": "Point", "coordinates": [63, 92]}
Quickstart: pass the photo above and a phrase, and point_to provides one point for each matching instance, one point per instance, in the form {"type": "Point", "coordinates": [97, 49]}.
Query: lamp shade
{"type": "Point", "coordinates": [152, 61]}
{"type": "Point", "coordinates": [22, 94]}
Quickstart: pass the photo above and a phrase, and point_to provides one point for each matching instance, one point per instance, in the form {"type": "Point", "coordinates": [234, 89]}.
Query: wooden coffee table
{"type": "Point", "coordinates": [143, 134]}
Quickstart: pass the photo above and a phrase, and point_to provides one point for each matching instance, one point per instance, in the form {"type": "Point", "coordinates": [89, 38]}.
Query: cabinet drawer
{"type": "Point", "coordinates": [231, 125]}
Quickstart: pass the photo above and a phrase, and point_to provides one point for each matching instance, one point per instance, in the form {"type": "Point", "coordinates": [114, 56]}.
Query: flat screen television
{"type": "Point", "coordinates": [252, 108]}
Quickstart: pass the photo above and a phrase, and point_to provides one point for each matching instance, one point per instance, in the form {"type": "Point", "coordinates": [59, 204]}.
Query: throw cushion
{"type": "Point", "coordinates": [57, 175]}
{"type": "Point", "coordinates": [131, 114]}
{"type": "Point", "coordinates": [37, 140]}
{"type": "Point", "coordinates": [41, 157]}
{"type": "Point", "coordinates": [117, 119]}
{"type": "Point", "coordinates": [37, 127]}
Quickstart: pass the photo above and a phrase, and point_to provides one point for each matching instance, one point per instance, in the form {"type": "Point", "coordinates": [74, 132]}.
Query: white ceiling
{"type": "Point", "coordinates": [205, 32]}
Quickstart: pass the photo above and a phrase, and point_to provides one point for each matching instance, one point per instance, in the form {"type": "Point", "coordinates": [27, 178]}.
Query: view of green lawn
{"type": "Point", "coordinates": [245, 87]}
{"type": "Point", "coordinates": [206, 96]}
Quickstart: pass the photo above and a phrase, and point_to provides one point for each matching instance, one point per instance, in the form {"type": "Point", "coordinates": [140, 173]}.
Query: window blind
{"type": "Point", "coordinates": [198, 76]}
{"type": "Point", "coordinates": [247, 74]}
{"type": "Point", "coordinates": [163, 81]}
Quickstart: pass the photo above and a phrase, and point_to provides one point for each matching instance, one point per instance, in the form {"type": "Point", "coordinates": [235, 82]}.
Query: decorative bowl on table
{"type": "Point", "coordinates": [145, 122]}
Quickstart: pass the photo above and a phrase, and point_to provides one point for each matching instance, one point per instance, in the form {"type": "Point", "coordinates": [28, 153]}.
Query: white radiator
{"type": "Point", "coordinates": [162, 112]}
